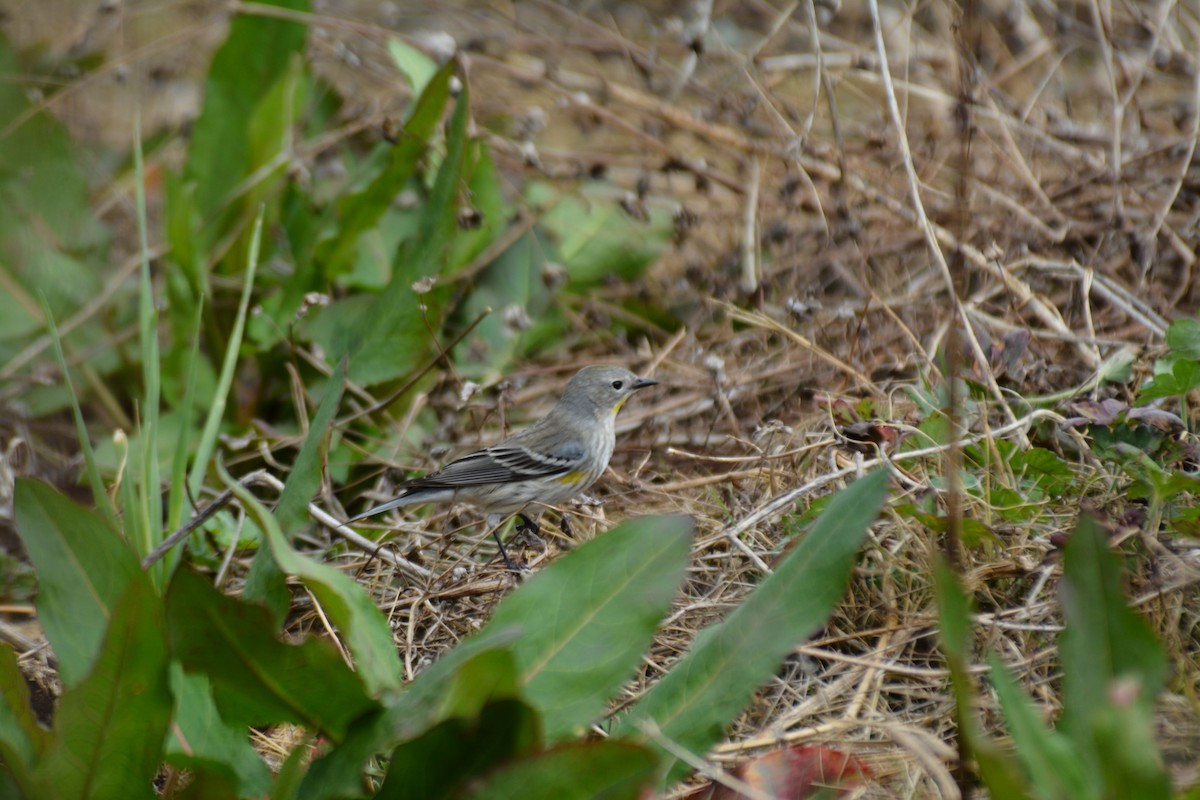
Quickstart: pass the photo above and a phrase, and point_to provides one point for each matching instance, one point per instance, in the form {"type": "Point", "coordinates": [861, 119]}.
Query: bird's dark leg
{"type": "Point", "coordinates": [508, 562]}
{"type": "Point", "coordinates": [565, 525]}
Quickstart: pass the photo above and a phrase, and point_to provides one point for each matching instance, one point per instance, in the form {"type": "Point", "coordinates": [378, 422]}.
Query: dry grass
{"type": "Point", "coordinates": [823, 255]}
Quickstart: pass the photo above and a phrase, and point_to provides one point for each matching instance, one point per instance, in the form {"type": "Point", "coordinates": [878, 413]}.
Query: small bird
{"type": "Point", "coordinates": [548, 463]}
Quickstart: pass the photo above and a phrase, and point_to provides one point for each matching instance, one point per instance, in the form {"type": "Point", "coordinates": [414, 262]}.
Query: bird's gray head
{"type": "Point", "coordinates": [601, 390]}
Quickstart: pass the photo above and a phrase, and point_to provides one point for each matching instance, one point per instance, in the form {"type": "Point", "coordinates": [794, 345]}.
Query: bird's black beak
{"type": "Point", "coordinates": [642, 383]}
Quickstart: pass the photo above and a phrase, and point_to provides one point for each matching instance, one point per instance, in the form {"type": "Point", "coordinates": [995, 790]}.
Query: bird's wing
{"type": "Point", "coordinates": [507, 461]}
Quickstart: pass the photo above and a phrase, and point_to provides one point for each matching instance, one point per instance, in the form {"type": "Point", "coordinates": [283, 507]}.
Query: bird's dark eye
{"type": "Point", "coordinates": [617, 385]}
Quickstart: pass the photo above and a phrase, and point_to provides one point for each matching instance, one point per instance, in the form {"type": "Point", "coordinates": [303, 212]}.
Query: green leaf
{"type": "Point", "coordinates": [1104, 645]}
{"type": "Point", "coordinates": [360, 212]}
{"type": "Point", "coordinates": [512, 282]}
{"type": "Point", "coordinates": [267, 586]}
{"type": "Point", "coordinates": [109, 729]}
{"type": "Point", "coordinates": [999, 772]}
{"type": "Point", "coordinates": [393, 336]}
{"type": "Point", "coordinates": [54, 244]}
{"type": "Point", "coordinates": [1184, 338]}
{"type": "Point", "coordinates": [458, 685]}
{"type": "Point", "coordinates": [201, 741]}
{"type": "Point", "coordinates": [589, 618]}
{"type": "Point", "coordinates": [580, 771]}
{"type": "Point", "coordinates": [707, 688]}
{"type": "Point", "coordinates": [256, 53]}
{"type": "Point", "coordinates": [212, 426]}
{"type": "Point", "coordinates": [437, 763]}
{"type": "Point", "coordinates": [83, 568]}
{"type": "Point", "coordinates": [1047, 756]}
{"type": "Point", "coordinates": [256, 679]}
{"type": "Point", "coordinates": [416, 67]}
{"type": "Point", "coordinates": [595, 238]}
{"type": "Point", "coordinates": [22, 739]}
{"type": "Point", "coordinates": [367, 633]}
{"type": "Point", "coordinates": [1184, 376]}
{"type": "Point", "coordinates": [305, 477]}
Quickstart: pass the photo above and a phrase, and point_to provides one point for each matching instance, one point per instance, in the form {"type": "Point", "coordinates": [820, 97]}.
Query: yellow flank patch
{"type": "Point", "coordinates": [575, 476]}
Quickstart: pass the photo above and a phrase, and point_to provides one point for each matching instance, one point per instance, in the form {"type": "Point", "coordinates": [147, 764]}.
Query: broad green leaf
{"type": "Point", "coordinates": [437, 763]}
{"type": "Point", "coordinates": [706, 689]}
{"type": "Point", "coordinates": [256, 53]}
{"type": "Point", "coordinates": [267, 586]}
{"type": "Point", "coordinates": [478, 671]}
{"type": "Point", "coordinates": [1130, 763]}
{"type": "Point", "coordinates": [1183, 336]}
{"type": "Point", "coordinates": [362, 625]}
{"type": "Point", "coordinates": [200, 740]}
{"type": "Point", "coordinates": [510, 285]}
{"type": "Point", "coordinates": [361, 211]}
{"type": "Point", "coordinates": [256, 679]}
{"type": "Point", "coordinates": [83, 568]}
{"type": "Point", "coordinates": [52, 244]}
{"type": "Point", "coordinates": [1104, 644]}
{"type": "Point", "coordinates": [109, 729]}
{"type": "Point", "coordinates": [610, 769]}
{"type": "Point", "coordinates": [590, 617]}
{"type": "Point", "coordinates": [393, 336]}
{"type": "Point", "coordinates": [1046, 755]}
{"type": "Point", "coordinates": [595, 238]}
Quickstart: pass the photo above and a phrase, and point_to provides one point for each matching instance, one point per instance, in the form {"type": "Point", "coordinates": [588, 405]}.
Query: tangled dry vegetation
{"type": "Point", "coordinates": [1042, 189]}
{"type": "Point", "coordinates": [1057, 213]}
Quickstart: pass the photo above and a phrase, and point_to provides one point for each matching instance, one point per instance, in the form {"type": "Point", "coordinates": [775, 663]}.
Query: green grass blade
{"type": "Point", "coordinates": [216, 412]}
{"type": "Point", "coordinates": [148, 484]}
{"type": "Point", "coordinates": [91, 469]}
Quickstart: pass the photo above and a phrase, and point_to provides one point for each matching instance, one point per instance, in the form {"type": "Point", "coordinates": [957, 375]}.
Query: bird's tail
{"type": "Point", "coordinates": [402, 500]}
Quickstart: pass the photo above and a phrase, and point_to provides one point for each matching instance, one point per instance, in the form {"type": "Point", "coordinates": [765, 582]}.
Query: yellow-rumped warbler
{"type": "Point", "coordinates": [556, 458]}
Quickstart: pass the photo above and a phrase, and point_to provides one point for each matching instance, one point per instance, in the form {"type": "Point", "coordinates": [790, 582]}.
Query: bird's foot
{"type": "Point", "coordinates": [512, 566]}
{"type": "Point", "coordinates": [565, 525]}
